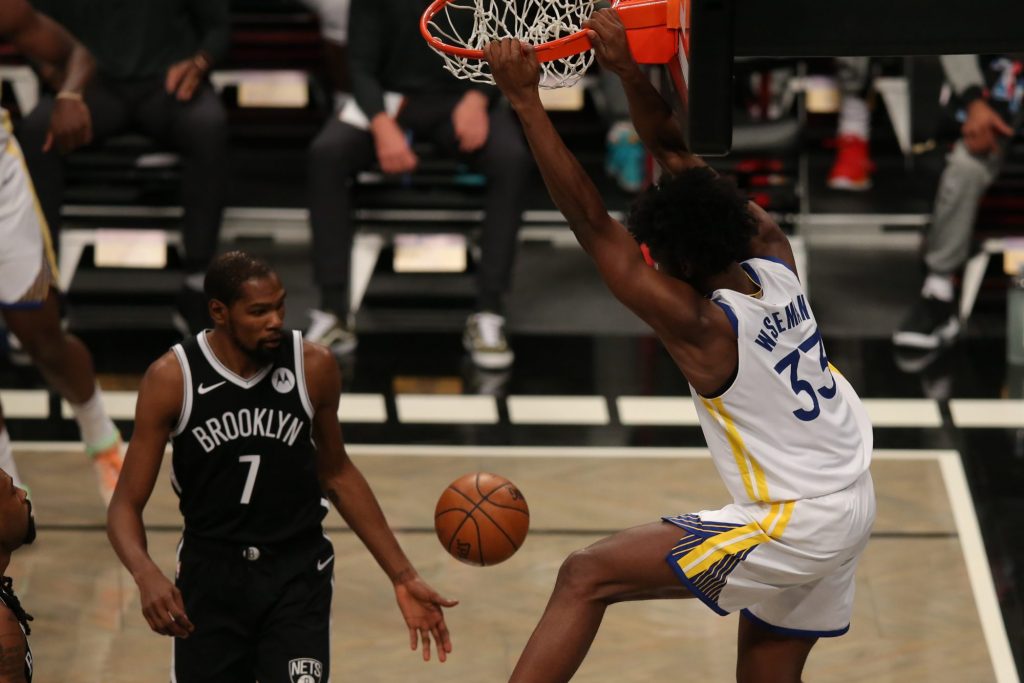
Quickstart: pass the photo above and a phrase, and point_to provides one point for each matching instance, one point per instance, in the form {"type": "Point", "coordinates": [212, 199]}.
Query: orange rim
{"type": "Point", "coordinates": [634, 13]}
{"type": "Point", "coordinates": [555, 49]}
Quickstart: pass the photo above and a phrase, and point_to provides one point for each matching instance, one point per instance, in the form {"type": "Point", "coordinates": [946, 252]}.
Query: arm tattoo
{"type": "Point", "coordinates": [12, 652]}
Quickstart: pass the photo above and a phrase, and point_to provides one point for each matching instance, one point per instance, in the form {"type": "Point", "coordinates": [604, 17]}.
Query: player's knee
{"type": "Point", "coordinates": [580, 575]}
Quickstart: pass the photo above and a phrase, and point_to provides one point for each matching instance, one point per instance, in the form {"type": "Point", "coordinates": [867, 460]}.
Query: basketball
{"type": "Point", "coordinates": [481, 519]}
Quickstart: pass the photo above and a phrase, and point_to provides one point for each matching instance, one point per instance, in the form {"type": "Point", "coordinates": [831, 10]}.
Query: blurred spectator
{"type": "Point", "coordinates": [625, 158]}
{"type": "Point", "coordinates": [401, 91]}
{"type": "Point", "coordinates": [153, 59]}
{"type": "Point", "coordinates": [992, 111]}
{"type": "Point", "coordinates": [853, 167]}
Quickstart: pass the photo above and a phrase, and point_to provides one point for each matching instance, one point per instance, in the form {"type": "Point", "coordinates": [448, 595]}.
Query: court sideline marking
{"type": "Point", "coordinates": [979, 572]}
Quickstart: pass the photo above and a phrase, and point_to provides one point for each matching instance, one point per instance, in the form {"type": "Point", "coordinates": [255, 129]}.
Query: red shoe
{"type": "Point", "coordinates": [853, 167]}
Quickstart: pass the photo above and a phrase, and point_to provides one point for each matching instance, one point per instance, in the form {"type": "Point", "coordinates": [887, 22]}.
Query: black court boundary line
{"type": "Point", "coordinates": [167, 528]}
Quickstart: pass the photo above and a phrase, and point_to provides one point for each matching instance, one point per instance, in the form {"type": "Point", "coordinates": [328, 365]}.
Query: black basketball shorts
{"type": "Point", "coordinates": [260, 613]}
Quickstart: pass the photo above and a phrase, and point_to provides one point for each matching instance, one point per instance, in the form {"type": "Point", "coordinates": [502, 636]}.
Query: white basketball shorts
{"type": "Point", "coordinates": [788, 565]}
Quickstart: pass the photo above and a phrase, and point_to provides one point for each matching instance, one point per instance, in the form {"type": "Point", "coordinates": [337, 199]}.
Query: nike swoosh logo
{"type": "Point", "coordinates": [320, 565]}
{"type": "Point", "coordinates": [206, 390]}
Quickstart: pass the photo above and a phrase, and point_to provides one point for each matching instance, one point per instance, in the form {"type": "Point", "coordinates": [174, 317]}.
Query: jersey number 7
{"type": "Point", "coordinates": [250, 480]}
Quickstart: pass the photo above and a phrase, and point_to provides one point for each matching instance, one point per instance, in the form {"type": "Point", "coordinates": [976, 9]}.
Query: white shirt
{"type": "Point", "coordinates": [333, 16]}
{"type": "Point", "coordinates": [789, 426]}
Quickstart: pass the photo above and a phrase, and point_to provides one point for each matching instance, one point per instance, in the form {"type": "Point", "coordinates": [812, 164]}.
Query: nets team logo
{"type": "Point", "coordinates": [305, 670]}
{"type": "Point", "coordinates": [283, 380]}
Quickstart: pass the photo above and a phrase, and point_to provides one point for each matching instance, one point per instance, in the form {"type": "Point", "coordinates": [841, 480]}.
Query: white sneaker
{"type": "Point", "coordinates": [485, 340]}
{"type": "Point", "coordinates": [327, 329]}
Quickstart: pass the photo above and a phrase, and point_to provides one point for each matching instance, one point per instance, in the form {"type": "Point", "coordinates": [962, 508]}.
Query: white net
{"type": "Point", "coordinates": [473, 24]}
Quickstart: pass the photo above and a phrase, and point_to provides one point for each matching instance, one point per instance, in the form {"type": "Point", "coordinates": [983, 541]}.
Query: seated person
{"type": "Point", "coordinates": [152, 62]}
{"type": "Point", "coordinates": [992, 112]}
{"type": "Point", "coordinates": [400, 88]}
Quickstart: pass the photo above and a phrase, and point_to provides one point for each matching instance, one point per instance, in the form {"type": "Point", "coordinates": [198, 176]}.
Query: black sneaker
{"type": "Point", "coordinates": [929, 324]}
{"type": "Point", "coordinates": [193, 314]}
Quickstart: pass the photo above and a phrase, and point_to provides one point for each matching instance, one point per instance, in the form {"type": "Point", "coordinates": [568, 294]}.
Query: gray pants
{"type": "Point", "coordinates": [340, 151]}
{"type": "Point", "coordinates": [963, 182]}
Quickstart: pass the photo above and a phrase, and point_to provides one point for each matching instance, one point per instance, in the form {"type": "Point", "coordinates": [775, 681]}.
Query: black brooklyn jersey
{"type": "Point", "coordinates": [8, 600]}
{"type": "Point", "coordinates": [244, 464]}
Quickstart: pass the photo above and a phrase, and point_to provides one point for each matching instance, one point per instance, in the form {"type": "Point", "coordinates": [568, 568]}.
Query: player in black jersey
{"type": "Point", "coordinates": [251, 410]}
{"type": "Point", "coordinates": [17, 528]}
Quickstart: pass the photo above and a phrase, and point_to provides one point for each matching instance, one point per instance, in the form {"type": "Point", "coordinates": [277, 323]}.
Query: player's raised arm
{"type": "Point", "coordinates": [667, 304]}
{"type": "Point", "coordinates": [156, 411]}
{"type": "Point", "coordinates": [653, 118]}
{"type": "Point", "coordinates": [349, 492]}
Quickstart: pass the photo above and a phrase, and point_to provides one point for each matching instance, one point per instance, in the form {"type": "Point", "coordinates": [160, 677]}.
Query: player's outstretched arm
{"type": "Point", "coordinates": [668, 305]}
{"type": "Point", "coordinates": [349, 492]}
{"type": "Point", "coordinates": [156, 411]}
{"type": "Point", "coordinates": [653, 118]}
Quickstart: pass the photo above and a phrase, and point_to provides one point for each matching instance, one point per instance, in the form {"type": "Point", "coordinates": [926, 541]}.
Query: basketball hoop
{"type": "Point", "coordinates": [458, 30]}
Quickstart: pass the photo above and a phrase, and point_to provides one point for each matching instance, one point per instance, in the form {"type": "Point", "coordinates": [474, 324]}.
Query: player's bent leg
{"type": "Point", "coordinates": [765, 656]}
{"type": "Point", "coordinates": [629, 565]}
{"type": "Point", "coordinates": [62, 358]}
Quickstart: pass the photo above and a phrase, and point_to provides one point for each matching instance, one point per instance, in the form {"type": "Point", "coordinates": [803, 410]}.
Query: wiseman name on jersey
{"type": "Point", "coordinates": [245, 423]}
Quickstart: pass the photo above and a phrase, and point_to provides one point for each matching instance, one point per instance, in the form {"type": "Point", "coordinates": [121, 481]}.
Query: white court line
{"type": "Point", "coordinates": [656, 411]}
{"type": "Point", "coordinates": [987, 413]}
{"type": "Point", "coordinates": [362, 408]}
{"type": "Point", "coordinates": [120, 405]}
{"type": "Point", "coordinates": [441, 409]}
{"type": "Point", "coordinates": [978, 570]}
{"type": "Point", "coordinates": [903, 412]}
{"type": "Point", "coordinates": [25, 403]}
{"type": "Point", "coordinates": [971, 543]}
{"type": "Point", "coordinates": [558, 410]}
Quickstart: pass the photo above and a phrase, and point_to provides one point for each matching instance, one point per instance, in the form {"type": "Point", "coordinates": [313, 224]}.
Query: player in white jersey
{"type": "Point", "coordinates": [714, 276]}
{"type": "Point", "coordinates": [29, 300]}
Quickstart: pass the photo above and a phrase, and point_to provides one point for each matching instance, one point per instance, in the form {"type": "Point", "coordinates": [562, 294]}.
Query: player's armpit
{"type": "Point", "coordinates": [12, 648]}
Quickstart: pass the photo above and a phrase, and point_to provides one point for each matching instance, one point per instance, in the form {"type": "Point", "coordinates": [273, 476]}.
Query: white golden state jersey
{"type": "Point", "coordinates": [789, 426]}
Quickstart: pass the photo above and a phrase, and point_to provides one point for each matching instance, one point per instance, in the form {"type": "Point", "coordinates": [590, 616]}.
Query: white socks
{"type": "Point", "coordinates": [7, 457]}
{"type": "Point", "coordinates": [938, 287]}
{"type": "Point", "coordinates": [855, 118]}
{"type": "Point", "coordinates": [98, 430]}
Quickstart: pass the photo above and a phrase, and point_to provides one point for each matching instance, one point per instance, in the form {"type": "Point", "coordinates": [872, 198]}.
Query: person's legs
{"type": "Point", "coordinates": [67, 367]}
{"type": "Point", "coordinates": [629, 565]}
{"type": "Point", "coordinates": [337, 153]}
{"type": "Point", "coordinates": [217, 597]}
{"type": "Point", "coordinates": [197, 129]}
{"type": "Point", "coordinates": [852, 168]}
{"type": "Point", "coordinates": [505, 161]}
{"type": "Point", "coordinates": [764, 656]}
{"type": "Point", "coordinates": [295, 638]}
{"type": "Point", "coordinates": [933, 320]}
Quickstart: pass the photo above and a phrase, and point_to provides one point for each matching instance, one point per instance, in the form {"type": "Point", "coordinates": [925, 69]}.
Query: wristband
{"type": "Point", "coordinates": [69, 95]}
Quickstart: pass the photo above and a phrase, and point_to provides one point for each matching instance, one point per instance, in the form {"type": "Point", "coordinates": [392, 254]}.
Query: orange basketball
{"type": "Point", "coordinates": [481, 519]}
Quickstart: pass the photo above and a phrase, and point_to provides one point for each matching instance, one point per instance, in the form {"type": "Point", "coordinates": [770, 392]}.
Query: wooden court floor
{"type": "Point", "coordinates": [917, 615]}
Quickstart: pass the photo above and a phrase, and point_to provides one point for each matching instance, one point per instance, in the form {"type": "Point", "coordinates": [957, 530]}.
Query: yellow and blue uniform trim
{"type": "Point", "coordinates": [704, 558]}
